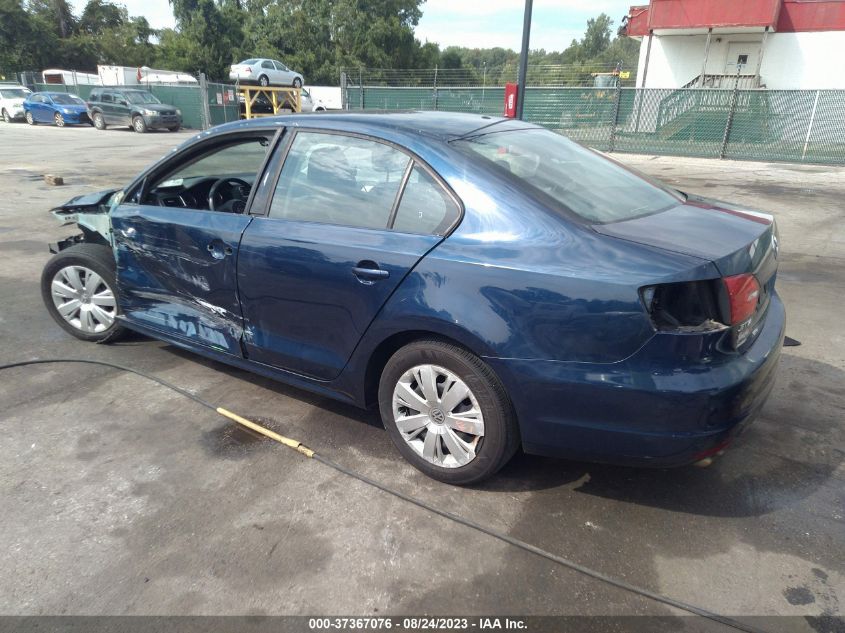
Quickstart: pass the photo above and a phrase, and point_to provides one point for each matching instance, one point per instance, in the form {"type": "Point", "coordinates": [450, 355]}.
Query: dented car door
{"type": "Point", "coordinates": [176, 264]}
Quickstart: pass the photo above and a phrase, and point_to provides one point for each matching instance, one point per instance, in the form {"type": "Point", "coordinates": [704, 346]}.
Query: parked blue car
{"type": "Point", "coordinates": [58, 108]}
{"type": "Point", "coordinates": [486, 283]}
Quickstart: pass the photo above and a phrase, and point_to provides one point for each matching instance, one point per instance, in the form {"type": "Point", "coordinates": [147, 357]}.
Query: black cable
{"type": "Point", "coordinates": [564, 562]}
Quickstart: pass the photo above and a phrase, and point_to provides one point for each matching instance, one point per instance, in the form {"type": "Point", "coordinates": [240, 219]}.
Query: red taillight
{"type": "Point", "coordinates": [743, 294]}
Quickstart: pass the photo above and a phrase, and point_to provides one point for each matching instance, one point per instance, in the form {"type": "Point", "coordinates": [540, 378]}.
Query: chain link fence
{"type": "Point", "coordinates": [767, 125]}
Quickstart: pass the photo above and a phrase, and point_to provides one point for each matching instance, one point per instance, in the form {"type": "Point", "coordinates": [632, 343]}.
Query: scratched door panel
{"type": "Point", "coordinates": [176, 272]}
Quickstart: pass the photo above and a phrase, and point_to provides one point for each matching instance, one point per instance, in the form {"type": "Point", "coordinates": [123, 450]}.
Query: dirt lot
{"type": "Point", "coordinates": [120, 497]}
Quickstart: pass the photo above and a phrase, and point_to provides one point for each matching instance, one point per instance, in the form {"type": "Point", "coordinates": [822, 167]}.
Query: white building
{"type": "Point", "coordinates": [776, 44]}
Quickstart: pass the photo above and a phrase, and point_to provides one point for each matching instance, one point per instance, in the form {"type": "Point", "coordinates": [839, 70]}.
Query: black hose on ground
{"type": "Point", "coordinates": [506, 538]}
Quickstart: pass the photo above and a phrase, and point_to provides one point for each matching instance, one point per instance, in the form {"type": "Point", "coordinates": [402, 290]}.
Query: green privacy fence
{"type": "Point", "coordinates": [769, 125]}
{"type": "Point", "coordinates": [202, 106]}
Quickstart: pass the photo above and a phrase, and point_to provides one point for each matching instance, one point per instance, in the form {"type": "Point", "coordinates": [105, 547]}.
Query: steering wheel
{"type": "Point", "coordinates": [237, 190]}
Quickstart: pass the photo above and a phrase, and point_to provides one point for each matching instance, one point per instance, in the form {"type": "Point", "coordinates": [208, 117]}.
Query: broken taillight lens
{"type": "Point", "coordinates": [743, 296]}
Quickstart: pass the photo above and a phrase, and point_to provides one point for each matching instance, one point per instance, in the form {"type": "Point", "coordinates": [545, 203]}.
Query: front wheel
{"type": "Point", "coordinates": [30, 119]}
{"type": "Point", "coordinates": [6, 117]}
{"type": "Point", "coordinates": [175, 128]}
{"type": "Point", "coordinates": [139, 125]}
{"type": "Point", "coordinates": [447, 412]}
{"type": "Point", "coordinates": [78, 287]}
{"type": "Point", "coordinates": [59, 119]}
{"type": "Point", "coordinates": [297, 83]}
{"type": "Point", "coordinates": [99, 121]}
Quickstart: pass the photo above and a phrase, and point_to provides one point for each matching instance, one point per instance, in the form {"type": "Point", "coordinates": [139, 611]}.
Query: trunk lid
{"type": "Point", "coordinates": [735, 239]}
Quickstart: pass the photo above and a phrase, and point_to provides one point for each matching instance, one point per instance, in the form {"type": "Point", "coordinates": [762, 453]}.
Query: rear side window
{"type": "Point", "coordinates": [342, 180]}
{"type": "Point", "coordinates": [106, 97]}
{"type": "Point", "coordinates": [267, 65]}
{"type": "Point", "coordinates": [426, 208]}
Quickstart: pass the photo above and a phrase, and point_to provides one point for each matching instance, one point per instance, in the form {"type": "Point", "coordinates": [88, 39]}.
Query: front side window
{"type": "Point", "coordinates": [580, 180]}
{"type": "Point", "coordinates": [335, 179]}
{"type": "Point", "coordinates": [106, 98]}
{"type": "Point", "coordinates": [219, 179]}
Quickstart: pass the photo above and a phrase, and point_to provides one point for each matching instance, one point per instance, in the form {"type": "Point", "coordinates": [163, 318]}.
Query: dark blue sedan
{"type": "Point", "coordinates": [486, 283]}
{"type": "Point", "coordinates": [58, 108]}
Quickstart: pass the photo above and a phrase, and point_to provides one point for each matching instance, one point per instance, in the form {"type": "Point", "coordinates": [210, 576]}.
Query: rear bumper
{"type": "Point", "coordinates": [643, 411]}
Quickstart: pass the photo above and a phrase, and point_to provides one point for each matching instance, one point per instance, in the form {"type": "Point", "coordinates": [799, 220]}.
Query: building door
{"type": "Point", "coordinates": [743, 55]}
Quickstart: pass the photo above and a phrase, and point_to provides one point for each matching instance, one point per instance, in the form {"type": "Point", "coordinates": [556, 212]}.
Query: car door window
{"type": "Point", "coordinates": [425, 208]}
{"type": "Point", "coordinates": [268, 65]}
{"type": "Point", "coordinates": [219, 179]}
{"type": "Point", "coordinates": [106, 98]}
{"type": "Point", "coordinates": [342, 180]}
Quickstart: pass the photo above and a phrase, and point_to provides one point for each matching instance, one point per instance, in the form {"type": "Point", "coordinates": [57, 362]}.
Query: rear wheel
{"type": "Point", "coordinates": [59, 119]}
{"type": "Point", "coordinates": [29, 118]}
{"type": "Point", "coordinates": [99, 121]}
{"type": "Point", "coordinates": [297, 83]}
{"type": "Point", "coordinates": [447, 412]}
{"type": "Point", "coordinates": [263, 81]}
{"type": "Point", "coordinates": [139, 125]}
{"type": "Point", "coordinates": [78, 287]}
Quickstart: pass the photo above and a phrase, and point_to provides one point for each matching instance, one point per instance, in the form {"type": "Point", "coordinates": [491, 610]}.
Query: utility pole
{"type": "Point", "coordinates": [523, 58]}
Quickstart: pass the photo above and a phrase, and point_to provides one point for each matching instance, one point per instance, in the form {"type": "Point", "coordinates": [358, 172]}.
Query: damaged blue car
{"type": "Point", "coordinates": [486, 283]}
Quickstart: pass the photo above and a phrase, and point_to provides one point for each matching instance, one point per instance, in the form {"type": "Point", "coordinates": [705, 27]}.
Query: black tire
{"type": "Point", "coordinates": [263, 81]}
{"type": "Point", "coordinates": [98, 121]}
{"type": "Point", "coordinates": [30, 119]}
{"type": "Point", "coordinates": [6, 117]}
{"type": "Point", "coordinates": [175, 128]}
{"type": "Point", "coordinates": [501, 431]}
{"type": "Point", "coordinates": [96, 258]}
{"type": "Point", "coordinates": [59, 120]}
{"type": "Point", "coordinates": [138, 124]}
{"type": "Point", "coordinates": [297, 82]}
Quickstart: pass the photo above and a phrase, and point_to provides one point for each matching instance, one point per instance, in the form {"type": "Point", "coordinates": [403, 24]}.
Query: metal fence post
{"type": "Point", "coordinates": [361, 85]}
{"type": "Point", "coordinates": [205, 112]}
{"type": "Point", "coordinates": [344, 95]}
{"type": "Point", "coordinates": [435, 87]}
{"type": "Point", "coordinates": [615, 121]}
{"type": "Point", "coordinates": [731, 112]}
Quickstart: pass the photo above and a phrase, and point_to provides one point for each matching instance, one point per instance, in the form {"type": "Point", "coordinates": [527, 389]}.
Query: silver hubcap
{"type": "Point", "coordinates": [438, 416]}
{"type": "Point", "coordinates": [83, 299]}
{"type": "Point", "coordinates": [139, 125]}
{"type": "Point", "coordinates": [59, 120]}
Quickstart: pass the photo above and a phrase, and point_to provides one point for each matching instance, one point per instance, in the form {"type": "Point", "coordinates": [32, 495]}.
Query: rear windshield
{"type": "Point", "coordinates": [13, 93]}
{"type": "Point", "coordinates": [140, 96]}
{"type": "Point", "coordinates": [582, 181]}
{"type": "Point", "coordinates": [248, 62]}
{"type": "Point", "coordinates": [63, 99]}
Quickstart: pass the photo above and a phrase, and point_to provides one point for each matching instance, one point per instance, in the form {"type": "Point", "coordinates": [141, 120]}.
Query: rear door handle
{"type": "Point", "coordinates": [367, 272]}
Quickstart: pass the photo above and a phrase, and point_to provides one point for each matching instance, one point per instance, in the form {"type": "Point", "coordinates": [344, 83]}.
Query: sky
{"type": "Point", "coordinates": [470, 23]}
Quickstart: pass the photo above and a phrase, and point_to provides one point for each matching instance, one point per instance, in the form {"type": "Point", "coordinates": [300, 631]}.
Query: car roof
{"type": "Point", "coordinates": [444, 126]}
